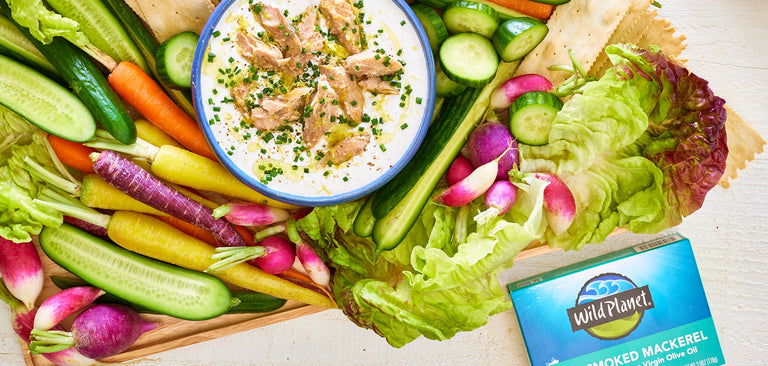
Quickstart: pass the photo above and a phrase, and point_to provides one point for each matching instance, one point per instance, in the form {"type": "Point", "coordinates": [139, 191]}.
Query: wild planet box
{"type": "Point", "coordinates": [641, 306]}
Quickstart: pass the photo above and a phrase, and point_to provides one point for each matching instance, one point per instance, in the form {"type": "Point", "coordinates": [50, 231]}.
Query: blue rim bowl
{"type": "Point", "coordinates": [273, 192]}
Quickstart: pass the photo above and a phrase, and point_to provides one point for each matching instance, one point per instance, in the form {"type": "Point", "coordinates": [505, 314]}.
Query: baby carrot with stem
{"type": "Point", "coordinates": [72, 154]}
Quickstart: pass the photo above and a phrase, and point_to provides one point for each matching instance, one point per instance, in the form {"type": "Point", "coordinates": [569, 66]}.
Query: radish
{"type": "Point", "coordinates": [499, 199]}
{"type": "Point", "coordinates": [273, 255]}
{"type": "Point", "coordinates": [22, 320]}
{"type": "Point", "coordinates": [142, 186]}
{"type": "Point", "coordinates": [559, 203]}
{"type": "Point", "coordinates": [503, 96]}
{"type": "Point", "coordinates": [490, 140]}
{"type": "Point", "coordinates": [460, 168]}
{"type": "Point", "coordinates": [471, 187]}
{"type": "Point", "coordinates": [101, 331]}
{"type": "Point", "coordinates": [21, 270]}
{"type": "Point", "coordinates": [63, 304]}
{"type": "Point", "coordinates": [250, 214]}
{"type": "Point", "coordinates": [313, 264]}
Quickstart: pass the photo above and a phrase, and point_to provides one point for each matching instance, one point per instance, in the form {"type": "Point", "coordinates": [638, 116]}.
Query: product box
{"type": "Point", "coordinates": [641, 306]}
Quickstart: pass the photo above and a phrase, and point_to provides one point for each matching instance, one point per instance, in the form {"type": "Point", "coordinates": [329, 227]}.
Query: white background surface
{"type": "Point", "coordinates": [727, 45]}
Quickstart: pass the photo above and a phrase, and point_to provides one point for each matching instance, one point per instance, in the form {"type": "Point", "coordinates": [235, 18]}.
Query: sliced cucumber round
{"type": "Point", "coordinates": [517, 37]}
{"type": "Point", "coordinates": [444, 86]}
{"type": "Point", "coordinates": [531, 116]}
{"type": "Point", "coordinates": [432, 23]}
{"type": "Point", "coordinates": [470, 16]}
{"type": "Point", "coordinates": [469, 59]}
{"type": "Point", "coordinates": [43, 102]}
{"type": "Point", "coordinates": [174, 59]}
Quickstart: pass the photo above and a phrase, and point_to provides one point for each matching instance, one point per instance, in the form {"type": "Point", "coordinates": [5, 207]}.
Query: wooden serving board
{"type": "Point", "coordinates": [175, 333]}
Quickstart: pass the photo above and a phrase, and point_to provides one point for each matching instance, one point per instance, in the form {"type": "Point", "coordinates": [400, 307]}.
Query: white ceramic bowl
{"type": "Point", "coordinates": [296, 178]}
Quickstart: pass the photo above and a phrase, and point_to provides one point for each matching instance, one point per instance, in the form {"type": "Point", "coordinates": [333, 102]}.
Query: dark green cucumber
{"type": "Point", "coordinates": [398, 203]}
{"type": "Point", "coordinates": [517, 37]}
{"type": "Point", "coordinates": [469, 59]}
{"type": "Point", "coordinates": [43, 102]}
{"type": "Point", "coordinates": [14, 44]}
{"type": "Point", "coordinates": [87, 82]}
{"type": "Point", "coordinates": [531, 116]}
{"type": "Point", "coordinates": [437, 4]}
{"type": "Point", "coordinates": [433, 25]}
{"type": "Point", "coordinates": [146, 282]}
{"type": "Point", "coordinates": [444, 86]}
{"type": "Point", "coordinates": [102, 28]}
{"type": "Point", "coordinates": [247, 301]}
{"type": "Point", "coordinates": [148, 46]}
{"type": "Point", "coordinates": [174, 59]}
{"type": "Point", "coordinates": [470, 16]}
{"type": "Point", "coordinates": [364, 220]}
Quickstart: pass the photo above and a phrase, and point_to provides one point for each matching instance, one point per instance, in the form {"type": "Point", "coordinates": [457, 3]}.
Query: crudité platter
{"type": "Point", "coordinates": [610, 22]}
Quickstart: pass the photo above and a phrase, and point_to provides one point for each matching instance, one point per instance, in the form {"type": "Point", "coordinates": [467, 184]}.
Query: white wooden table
{"type": "Point", "coordinates": [727, 45]}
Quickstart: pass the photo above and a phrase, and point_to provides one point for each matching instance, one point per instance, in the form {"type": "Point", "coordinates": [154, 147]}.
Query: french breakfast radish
{"type": "Point", "coordinates": [503, 96]}
{"type": "Point", "coordinates": [142, 186]}
{"type": "Point", "coordinates": [499, 199]}
{"type": "Point", "coordinates": [493, 141]}
{"type": "Point", "coordinates": [471, 187]}
{"type": "Point", "coordinates": [64, 303]}
{"type": "Point", "coordinates": [460, 168]}
{"type": "Point", "coordinates": [100, 331]}
{"type": "Point", "coordinates": [312, 263]}
{"type": "Point", "coordinates": [21, 270]}
{"type": "Point", "coordinates": [22, 322]}
{"type": "Point", "coordinates": [250, 214]}
{"type": "Point", "coordinates": [559, 203]}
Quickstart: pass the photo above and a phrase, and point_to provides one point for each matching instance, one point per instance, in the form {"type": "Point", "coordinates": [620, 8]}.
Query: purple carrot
{"type": "Point", "coordinates": [21, 270]}
{"type": "Point", "coordinates": [101, 331]}
{"type": "Point", "coordinates": [130, 178]}
{"type": "Point", "coordinates": [94, 229]}
{"type": "Point", "coordinates": [250, 214]}
{"type": "Point", "coordinates": [313, 264]}
{"type": "Point", "coordinates": [63, 304]}
{"type": "Point", "coordinates": [23, 319]}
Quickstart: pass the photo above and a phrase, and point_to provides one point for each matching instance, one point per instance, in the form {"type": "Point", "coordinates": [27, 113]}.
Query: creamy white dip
{"type": "Point", "coordinates": [275, 159]}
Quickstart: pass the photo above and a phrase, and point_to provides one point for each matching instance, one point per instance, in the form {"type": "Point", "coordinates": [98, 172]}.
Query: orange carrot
{"type": "Point", "coordinates": [142, 92]}
{"type": "Point", "coordinates": [245, 233]}
{"type": "Point", "coordinates": [528, 7]}
{"type": "Point", "coordinates": [72, 154]}
{"type": "Point", "coordinates": [190, 229]}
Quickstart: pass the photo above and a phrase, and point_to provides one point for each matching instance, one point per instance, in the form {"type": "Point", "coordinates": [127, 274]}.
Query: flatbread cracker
{"type": "Point", "coordinates": [584, 26]}
{"type": "Point", "coordinates": [744, 143]}
{"type": "Point", "coordinates": [168, 17]}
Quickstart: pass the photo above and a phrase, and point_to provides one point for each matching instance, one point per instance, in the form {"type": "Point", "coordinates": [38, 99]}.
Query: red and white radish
{"type": "Point", "coordinates": [278, 257]}
{"type": "Point", "coordinates": [559, 203]}
{"type": "Point", "coordinates": [63, 304]}
{"type": "Point", "coordinates": [313, 264]}
{"type": "Point", "coordinates": [21, 270]}
{"type": "Point", "coordinates": [250, 214]}
{"type": "Point", "coordinates": [22, 321]}
{"type": "Point", "coordinates": [142, 186]}
{"type": "Point", "coordinates": [101, 331]}
{"type": "Point", "coordinates": [460, 168]}
{"type": "Point", "coordinates": [488, 141]}
{"type": "Point", "coordinates": [469, 188]}
{"type": "Point", "coordinates": [503, 96]}
{"type": "Point", "coordinates": [499, 199]}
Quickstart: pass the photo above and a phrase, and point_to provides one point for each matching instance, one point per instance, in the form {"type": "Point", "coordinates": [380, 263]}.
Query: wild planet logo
{"type": "Point", "coordinates": [609, 306]}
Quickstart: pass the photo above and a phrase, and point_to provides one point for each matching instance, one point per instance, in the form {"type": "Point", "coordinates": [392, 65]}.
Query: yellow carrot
{"type": "Point", "coordinates": [189, 169]}
{"type": "Point", "coordinates": [153, 134]}
{"type": "Point", "coordinates": [97, 193]}
{"type": "Point", "coordinates": [168, 244]}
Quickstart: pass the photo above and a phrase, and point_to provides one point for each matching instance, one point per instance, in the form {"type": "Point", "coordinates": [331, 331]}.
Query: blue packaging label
{"type": "Point", "coordinates": [643, 306]}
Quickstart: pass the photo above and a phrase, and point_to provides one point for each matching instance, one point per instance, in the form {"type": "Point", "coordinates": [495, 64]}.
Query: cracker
{"type": "Point", "coordinates": [584, 26]}
{"type": "Point", "coordinates": [168, 17]}
{"type": "Point", "coordinates": [744, 143]}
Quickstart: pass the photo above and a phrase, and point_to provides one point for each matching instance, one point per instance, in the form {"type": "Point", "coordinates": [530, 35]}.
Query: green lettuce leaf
{"type": "Point", "coordinates": [45, 24]}
{"type": "Point", "coordinates": [429, 285]}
